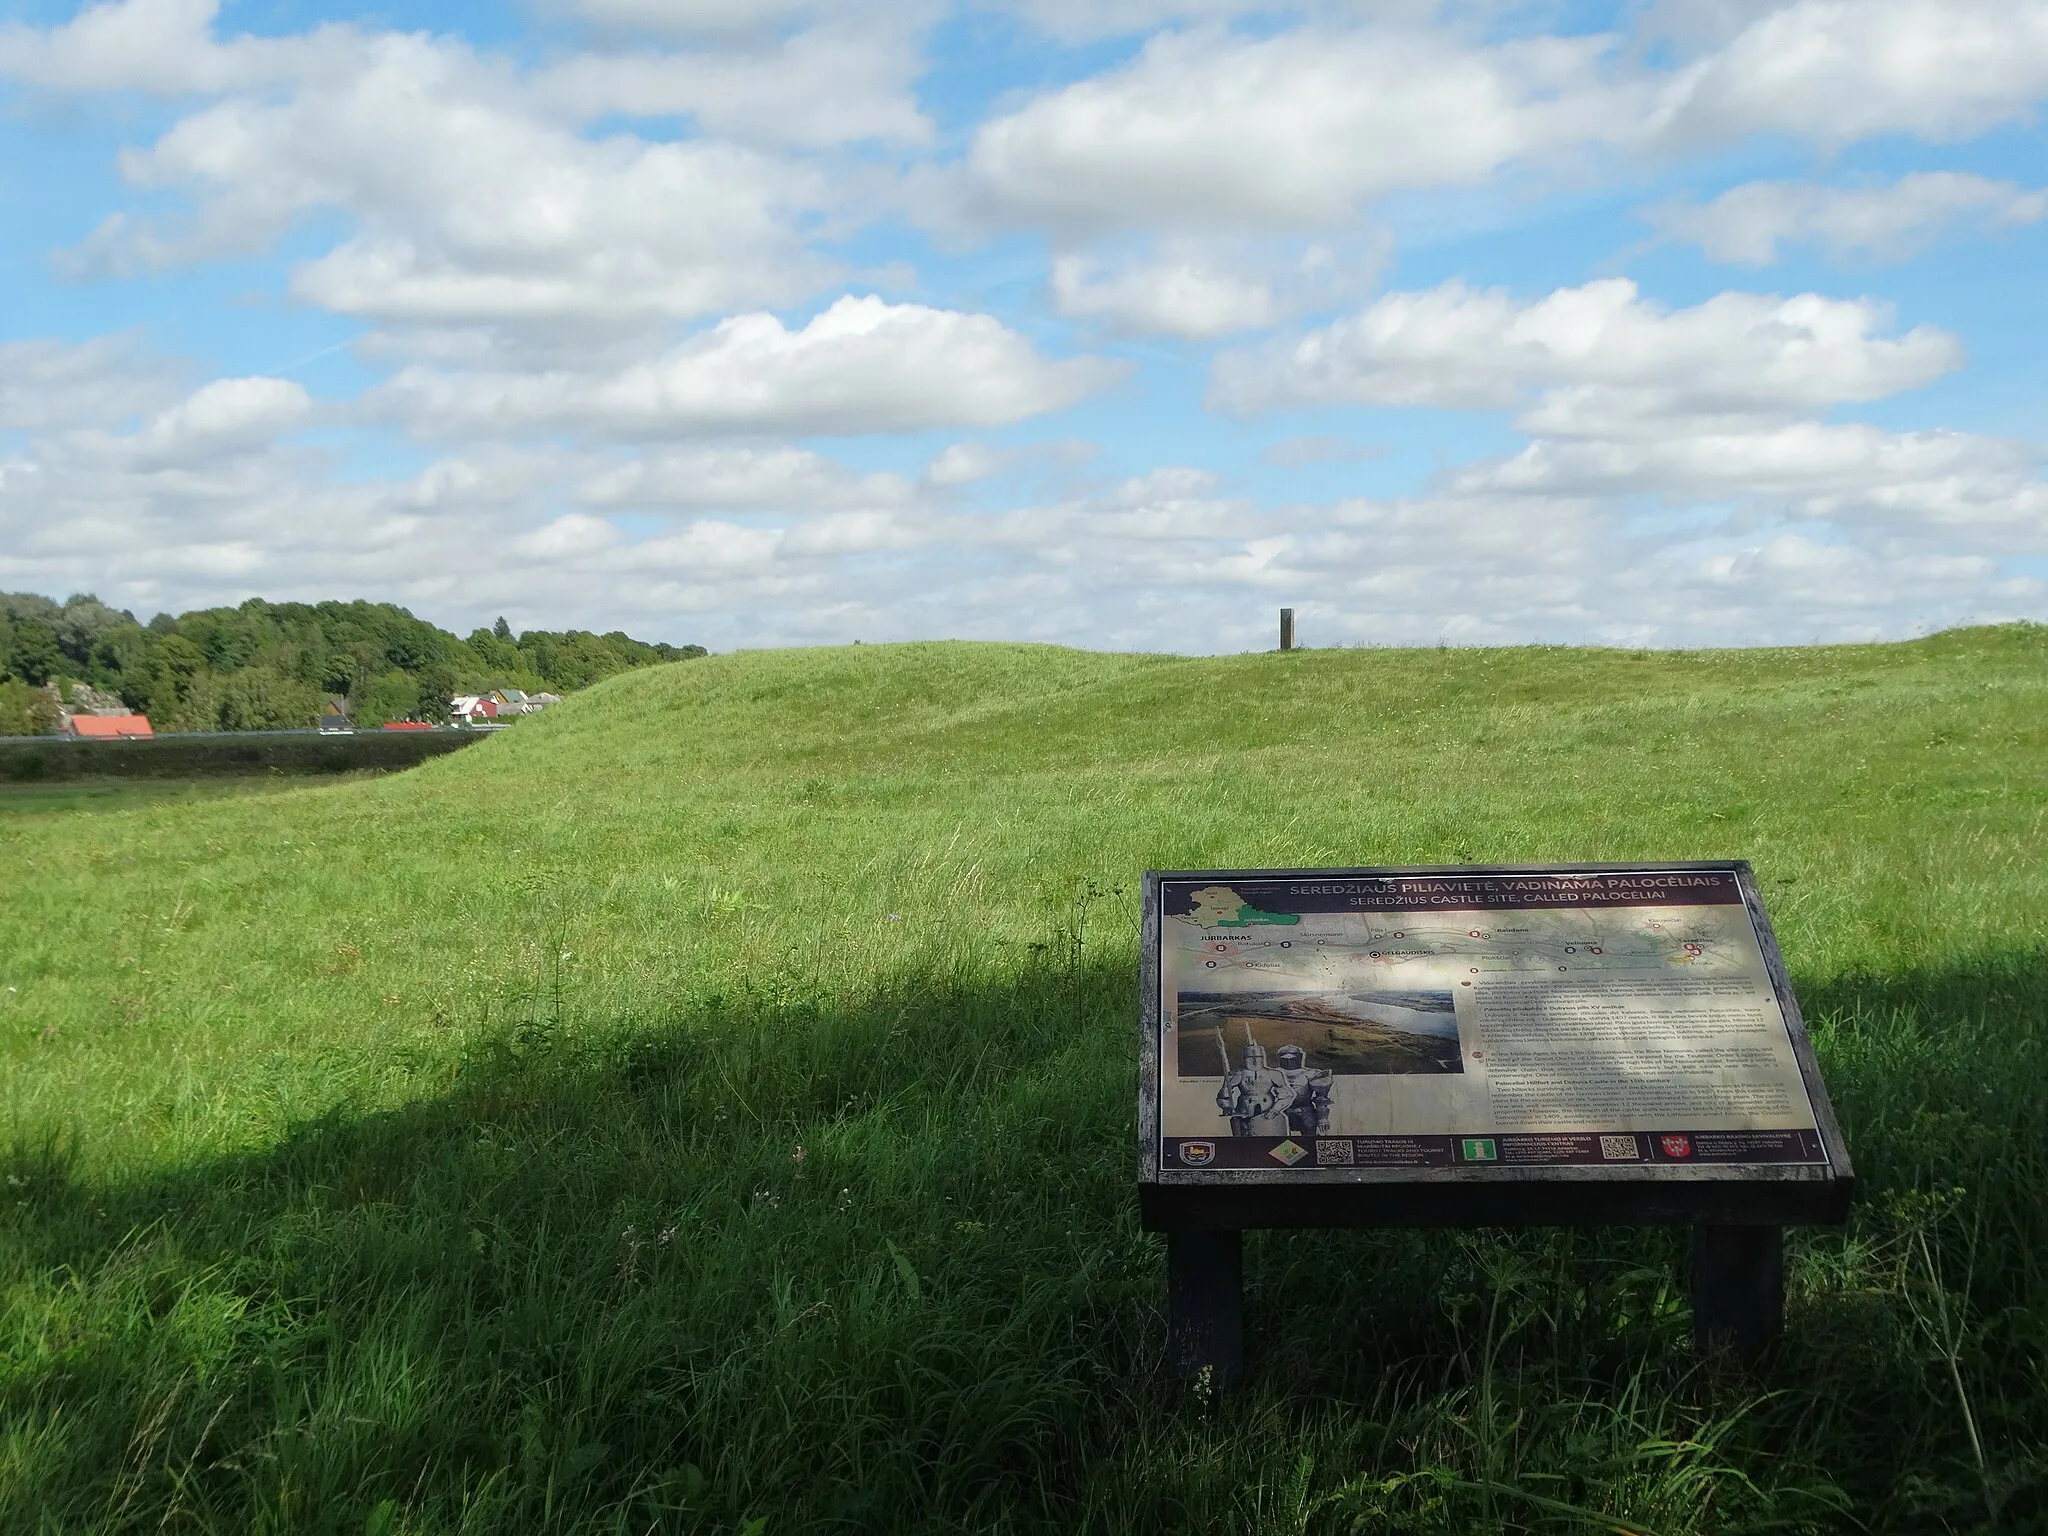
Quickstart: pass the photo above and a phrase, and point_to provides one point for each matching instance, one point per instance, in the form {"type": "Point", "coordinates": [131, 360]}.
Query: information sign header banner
{"type": "Point", "coordinates": [1455, 893]}
{"type": "Point", "coordinates": [1621, 1024]}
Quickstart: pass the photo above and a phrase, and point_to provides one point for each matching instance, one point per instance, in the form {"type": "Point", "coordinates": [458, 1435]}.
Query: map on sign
{"type": "Point", "coordinates": [1509, 1019]}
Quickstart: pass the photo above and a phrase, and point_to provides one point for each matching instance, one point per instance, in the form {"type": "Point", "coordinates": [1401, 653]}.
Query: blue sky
{"type": "Point", "coordinates": [1107, 322]}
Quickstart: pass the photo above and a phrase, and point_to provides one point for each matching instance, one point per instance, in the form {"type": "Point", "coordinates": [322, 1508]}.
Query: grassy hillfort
{"type": "Point", "coordinates": [710, 1105]}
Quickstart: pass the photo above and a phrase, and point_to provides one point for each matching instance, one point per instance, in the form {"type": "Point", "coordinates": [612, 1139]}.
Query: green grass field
{"type": "Point", "coordinates": [710, 1107]}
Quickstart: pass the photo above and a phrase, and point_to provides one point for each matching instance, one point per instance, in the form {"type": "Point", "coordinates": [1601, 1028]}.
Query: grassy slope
{"type": "Point", "coordinates": [423, 1150]}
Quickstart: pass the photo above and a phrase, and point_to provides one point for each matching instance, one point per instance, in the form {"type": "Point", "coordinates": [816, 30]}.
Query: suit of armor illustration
{"type": "Point", "coordinates": [1304, 1092]}
{"type": "Point", "coordinates": [1250, 1093]}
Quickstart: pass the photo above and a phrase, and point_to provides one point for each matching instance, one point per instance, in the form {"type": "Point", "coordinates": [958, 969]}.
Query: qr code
{"type": "Point", "coordinates": [1618, 1148]}
{"type": "Point", "coordinates": [1328, 1151]}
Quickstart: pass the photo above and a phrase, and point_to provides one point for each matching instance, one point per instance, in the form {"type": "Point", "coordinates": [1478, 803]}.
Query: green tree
{"type": "Point", "coordinates": [26, 711]}
{"type": "Point", "coordinates": [394, 696]}
{"type": "Point", "coordinates": [34, 657]}
{"type": "Point", "coordinates": [125, 660]}
{"type": "Point", "coordinates": [262, 699]}
{"type": "Point", "coordinates": [80, 625]}
{"type": "Point", "coordinates": [266, 664]}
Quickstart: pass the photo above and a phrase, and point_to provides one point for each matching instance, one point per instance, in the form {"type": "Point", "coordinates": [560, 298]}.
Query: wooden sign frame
{"type": "Point", "coordinates": [1737, 1208]}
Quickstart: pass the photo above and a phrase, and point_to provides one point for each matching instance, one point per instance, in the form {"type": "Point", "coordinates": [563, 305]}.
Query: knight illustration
{"type": "Point", "coordinates": [1303, 1092]}
{"type": "Point", "coordinates": [1251, 1092]}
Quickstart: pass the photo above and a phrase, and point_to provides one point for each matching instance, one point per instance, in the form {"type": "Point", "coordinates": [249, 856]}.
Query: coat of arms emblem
{"type": "Point", "coordinates": [1676, 1146]}
{"type": "Point", "coordinates": [1197, 1154]}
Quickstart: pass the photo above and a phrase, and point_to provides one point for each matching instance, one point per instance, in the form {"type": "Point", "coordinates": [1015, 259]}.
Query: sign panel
{"type": "Point", "coordinates": [1593, 1022]}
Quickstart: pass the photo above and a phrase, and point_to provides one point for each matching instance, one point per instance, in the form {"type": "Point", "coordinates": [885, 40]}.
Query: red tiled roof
{"type": "Point", "coordinates": [110, 727]}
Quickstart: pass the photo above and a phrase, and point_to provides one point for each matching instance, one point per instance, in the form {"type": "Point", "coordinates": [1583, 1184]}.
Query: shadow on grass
{"type": "Point", "coordinates": [873, 1264]}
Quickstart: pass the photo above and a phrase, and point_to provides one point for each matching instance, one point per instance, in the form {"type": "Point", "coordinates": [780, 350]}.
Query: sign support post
{"type": "Point", "coordinates": [1555, 1045]}
{"type": "Point", "coordinates": [1205, 1303]}
{"type": "Point", "coordinates": [1738, 1290]}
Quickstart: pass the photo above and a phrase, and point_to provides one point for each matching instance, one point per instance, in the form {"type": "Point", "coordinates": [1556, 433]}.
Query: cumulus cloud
{"type": "Point", "coordinates": [1746, 225]}
{"type": "Point", "coordinates": [1970, 490]}
{"type": "Point", "coordinates": [831, 84]}
{"type": "Point", "coordinates": [1177, 298]}
{"type": "Point", "coordinates": [734, 477]}
{"type": "Point", "coordinates": [963, 464]}
{"type": "Point", "coordinates": [863, 365]}
{"type": "Point", "coordinates": [165, 47]}
{"type": "Point", "coordinates": [471, 208]}
{"type": "Point", "coordinates": [226, 416]}
{"type": "Point", "coordinates": [1835, 72]}
{"type": "Point", "coordinates": [475, 193]}
{"type": "Point", "coordinates": [47, 383]}
{"type": "Point", "coordinates": [1214, 128]}
{"type": "Point", "coordinates": [1209, 128]}
{"type": "Point", "coordinates": [569, 536]}
{"type": "Point", "coordinates": [1600, 350]}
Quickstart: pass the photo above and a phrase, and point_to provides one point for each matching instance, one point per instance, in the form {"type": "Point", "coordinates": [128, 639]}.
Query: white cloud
{"type": "Point", "coordinates": [731, 478]}
{"type": "Point", "coordinates": [700, 18]}
{"type": "Point", "coordinates": [827, 85]}
{"type": "Point", "coordinates": [1204, 288]}
{"type": "Point", "coordinates": [1175, 298]}
{"type": "Point", "coordinates": [474, 194]}
{"type": "Point", "coordinates": [472, 208]}
{"type": "Point", "coordinates": [1747, 224]}
{"type": "Point", "coordinates": [963, 464]}
{"type": "Point", "coordinates": [1083, 21]}
{"type": "Point", "coordinates": [1835, 72]}
{"type": "Point", "coordinates": [226, 416]}
{"type": "Point", "coordinates": [863, 365]}
{"type": "Point", "coordinates": [1210, 129]}
{"type": "Point", "coordinates": [1980, 491]}
{"type": "Point", "coordinates": [46, 383]}
{"type": "Point", "coordinates": [161, 46]}
{"type": "Point", "coordinates": [1600, 349]}
{"type": "Point", "coordinates": [571, 535]}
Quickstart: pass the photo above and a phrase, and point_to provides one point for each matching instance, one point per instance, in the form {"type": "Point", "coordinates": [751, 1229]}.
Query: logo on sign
{"type": "Point", "coordinates": [1676, 1146]}
{"type": "Point", "coordinates": [1288, 1152]}
{"type": "Point", "coordinates": [1198, 1154]}
{"type": "Point", "coordinates": [1479, 1149]}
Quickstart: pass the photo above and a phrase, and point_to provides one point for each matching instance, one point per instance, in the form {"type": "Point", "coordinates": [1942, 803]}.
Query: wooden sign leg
{"type": "Point", "coordinates": [1205, 1304]}
{"type": "Point", "coordinates": [1738, 1290]}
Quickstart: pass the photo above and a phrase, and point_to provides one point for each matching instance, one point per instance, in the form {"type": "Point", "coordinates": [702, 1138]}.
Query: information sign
{"type": "Point", "coordinates": [1537, 1044]}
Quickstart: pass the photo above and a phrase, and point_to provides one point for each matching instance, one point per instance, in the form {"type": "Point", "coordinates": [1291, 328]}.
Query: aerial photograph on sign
{"type": "Point", "coordinates": [1373, 1032]}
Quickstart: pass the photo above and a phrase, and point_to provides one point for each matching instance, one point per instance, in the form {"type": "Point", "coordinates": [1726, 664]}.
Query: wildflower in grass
{"type": "Point", "coordinates": [797, 1156]}
{"type": "Point", "coordinates": [668, 1235]}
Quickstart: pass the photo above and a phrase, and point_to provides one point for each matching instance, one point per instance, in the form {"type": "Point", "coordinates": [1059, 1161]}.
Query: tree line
{"type": "Point", "coordinates": [276, 666]}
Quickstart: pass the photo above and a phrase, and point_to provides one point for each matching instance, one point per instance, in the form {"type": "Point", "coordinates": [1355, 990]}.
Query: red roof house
{"type": "Point", "coordinates": [111, 727]}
